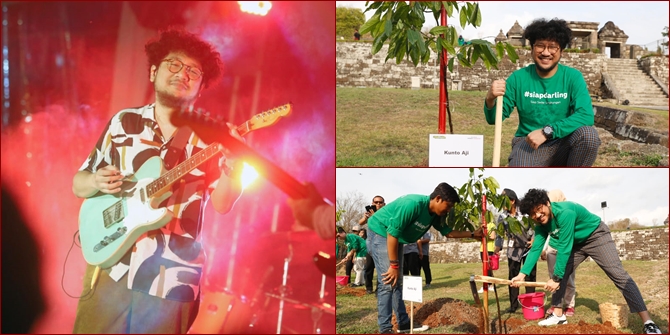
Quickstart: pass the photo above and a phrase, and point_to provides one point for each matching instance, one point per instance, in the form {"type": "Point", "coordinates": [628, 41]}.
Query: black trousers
{"type": "Point", "coordinates": [514, 268]}
{"type": "Point", "coordinates": [425, 265]}
{"type": "Point", "coordinates": [369, 271]}
{"type": "Point", "coordinates": [412, 264]}
{"type": "Point", "coordinates": [348, 266]}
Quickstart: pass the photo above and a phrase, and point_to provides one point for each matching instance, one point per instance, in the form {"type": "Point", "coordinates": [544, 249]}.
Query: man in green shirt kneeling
{"type": "Point", "coordinates": [554, 105]}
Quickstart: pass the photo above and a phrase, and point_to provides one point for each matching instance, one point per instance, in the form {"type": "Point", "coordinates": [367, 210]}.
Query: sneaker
{"type": "Point", "coordinates": [550, 311]}
{"type": "Point", "coordinates": [651, 328]}
{"type": "Point", "coordinates": [427, 286]}
{"type": "Point", "coordinates": [570, 311]}
{"type": "Point", "coordinates": [404, 328]}
{"type": "Point", "coordinates": [491, 289]}
{"type": "Point", "coordinates": [553, 320]}
{"type": "Point", "coordinates": [369, 291]}
{"type": "Point", "coordinates": [386, 331]}
{"type": "Point", "coordinates": [481, 290]}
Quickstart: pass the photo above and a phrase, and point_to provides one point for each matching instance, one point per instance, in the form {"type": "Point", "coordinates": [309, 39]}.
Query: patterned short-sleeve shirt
{"type": "Point", "coordinates": [166, 262]}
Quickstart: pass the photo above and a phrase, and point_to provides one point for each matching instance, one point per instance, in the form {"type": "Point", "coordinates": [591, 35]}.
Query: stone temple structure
{"type": "Point", "coordinates": [585, 36]}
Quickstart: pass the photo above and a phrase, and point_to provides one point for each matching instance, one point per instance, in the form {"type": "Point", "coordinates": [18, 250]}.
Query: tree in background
{"type": "Point", "coordinates": [347, 20]}
{"type": "Point", "coordinates": [350, 207]}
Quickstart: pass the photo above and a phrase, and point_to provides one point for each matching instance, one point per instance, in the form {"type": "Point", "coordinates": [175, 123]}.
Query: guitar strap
{"type": "Point", "coordinates": [177, 145]}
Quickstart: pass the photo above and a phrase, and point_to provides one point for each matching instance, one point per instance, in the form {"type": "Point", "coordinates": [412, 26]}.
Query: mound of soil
{"type": "Point", "coordinates": [579, 328]}
{"type": "Point", "coordinates": [470, 319]}
{"type": "Point", "coordinates": [356, 292]}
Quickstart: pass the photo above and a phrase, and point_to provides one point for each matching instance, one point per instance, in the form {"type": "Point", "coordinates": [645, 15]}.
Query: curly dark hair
{"type": "Point", "coordinates": [533, 198]}
{"type": "Point", "coordinates": [446, 192]}
{"type": "Point", "coordinates": [172, 40]}
{"type": "Point", "coordinates": [556, 30]}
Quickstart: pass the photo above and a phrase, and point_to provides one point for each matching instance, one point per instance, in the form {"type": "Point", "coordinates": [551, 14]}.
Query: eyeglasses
{"type": "Point", "coordinates": [175, 65]}
{"type": "Point", "coordinates": [541, 47]}
{"type": "Point", "coordinates": [378, 202]}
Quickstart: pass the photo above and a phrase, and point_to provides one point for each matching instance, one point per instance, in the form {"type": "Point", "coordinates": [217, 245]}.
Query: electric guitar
{"type": "Point", "coordinates": [109, 224]}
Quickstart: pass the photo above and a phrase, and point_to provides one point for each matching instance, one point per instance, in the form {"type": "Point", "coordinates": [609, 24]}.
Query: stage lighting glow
{"type": "Point", "coordinates": [249, 174]}
{"type": "Point", "coordinates": [255, 7]}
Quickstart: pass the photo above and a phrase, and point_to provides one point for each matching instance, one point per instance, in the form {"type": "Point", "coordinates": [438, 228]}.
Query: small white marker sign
{"type": "Point", "coordinates": [455, 150]}
{"type": "Point", "coordinates": [411, 288]}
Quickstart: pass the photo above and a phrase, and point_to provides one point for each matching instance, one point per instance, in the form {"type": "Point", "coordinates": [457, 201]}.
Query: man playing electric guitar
{"type": "Point", "coordinates": [155, 286]}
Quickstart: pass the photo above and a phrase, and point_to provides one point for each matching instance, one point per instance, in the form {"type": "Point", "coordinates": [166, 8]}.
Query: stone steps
{"type": "Point", "coordinates": [633, 84]}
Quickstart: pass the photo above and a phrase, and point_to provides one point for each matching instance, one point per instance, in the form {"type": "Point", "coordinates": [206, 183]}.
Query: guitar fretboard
{"type": "Point", "coordinates": [181, 170]}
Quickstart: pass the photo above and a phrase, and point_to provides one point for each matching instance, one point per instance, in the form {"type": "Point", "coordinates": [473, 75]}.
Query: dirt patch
{"type": "Point", "coordinates": [356, 292]}
{"type": "Point", "coordinates": [469, 319]}
{"type": "Point", "coordinates": [579, 328]}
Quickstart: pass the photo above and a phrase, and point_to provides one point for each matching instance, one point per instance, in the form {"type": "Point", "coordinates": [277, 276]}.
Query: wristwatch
{"type": "Point", "coordinates": [548, 132]}
{"type": "Point", "coordinates": [556, 278]}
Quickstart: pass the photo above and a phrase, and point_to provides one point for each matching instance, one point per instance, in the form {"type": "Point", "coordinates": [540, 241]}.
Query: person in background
{"type": "Point", "coordinates": [549, 255]}
{"type": "Point", "coordinates": [377, 203]}
{"type": "Point", "coordinates": [357, 35]}
{"type": "Point", "coordinates": [412, 263]}
{"type": "Point", "coordinates": [517, 245]}
{"type": "Point", "coordinates": [490, 250]}
{"type": "Point", "coordinates": [356, 251]}
{"type": "Point", "coordinates": [424, 250]}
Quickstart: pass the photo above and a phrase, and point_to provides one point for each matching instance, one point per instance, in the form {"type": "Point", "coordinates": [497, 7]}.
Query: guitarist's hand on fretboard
{"type": "Point", "coordinates": [236, 135]}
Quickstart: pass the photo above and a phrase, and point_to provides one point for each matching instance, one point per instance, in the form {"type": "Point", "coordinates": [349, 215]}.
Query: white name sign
{"type": "Point", "coordinates": [411, 288]}
{"type": "Point", "coordinates": [455, 150]}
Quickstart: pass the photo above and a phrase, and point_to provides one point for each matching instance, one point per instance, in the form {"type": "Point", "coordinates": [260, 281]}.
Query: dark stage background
{"type": "Point", "coordinates": [69, 66]}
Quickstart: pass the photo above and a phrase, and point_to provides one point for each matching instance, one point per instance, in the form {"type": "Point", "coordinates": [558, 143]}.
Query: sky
{"type": "Point", "coordinates": [634, 193]}
{"type": "Point", "coordinates": [642, 21]}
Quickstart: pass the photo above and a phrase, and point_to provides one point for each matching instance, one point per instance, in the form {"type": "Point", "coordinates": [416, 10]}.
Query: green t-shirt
{"type": "Point", "coordinates": [406, 218]}
{"type": "Point", "coordinates": [572, 224]}
{"type": "Point", "coordinates": [355, 242]}
{"type": "Point", "coordinates": [562, 101]}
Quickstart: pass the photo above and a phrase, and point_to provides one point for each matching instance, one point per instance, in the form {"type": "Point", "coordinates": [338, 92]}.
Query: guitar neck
{"type": "Point", "coordinates": [181, 170]}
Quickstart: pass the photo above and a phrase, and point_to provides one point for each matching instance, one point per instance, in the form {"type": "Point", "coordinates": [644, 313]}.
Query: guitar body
{"type": "Point", "coordinates": [109, 224]}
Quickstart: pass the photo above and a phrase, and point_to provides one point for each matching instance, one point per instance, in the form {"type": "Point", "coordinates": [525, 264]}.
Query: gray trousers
{"type": "Point", "coordinates": [600, 247]}
{"type": "Point", "coordinates": [569, 298]}
{"type": "Point", "coordinates": [577, 149]}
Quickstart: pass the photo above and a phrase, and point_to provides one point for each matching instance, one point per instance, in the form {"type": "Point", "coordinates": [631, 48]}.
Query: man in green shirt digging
{"type": "Point", "coordinates": [576, 234]}
{"type": "Point", "coordinates": [400, 222]}
{"type": "Point", "coordinates": [554, 105]}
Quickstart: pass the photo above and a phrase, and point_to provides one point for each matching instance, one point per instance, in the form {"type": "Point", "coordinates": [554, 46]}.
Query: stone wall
{"type": "Point", "coordinates": [357, 67]}
{"type": "Point", "coordinates": [641, 244]}
{"type": "Point", "coordinates": [629, 124]}
{"type": "Point", "coordinates": [657, 66]}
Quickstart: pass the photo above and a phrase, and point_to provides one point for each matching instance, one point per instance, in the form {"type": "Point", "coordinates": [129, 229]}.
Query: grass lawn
{"type": "Point", "coordinates": [358, 314]}
{"type": "Point", "coordinates": [390, 127]}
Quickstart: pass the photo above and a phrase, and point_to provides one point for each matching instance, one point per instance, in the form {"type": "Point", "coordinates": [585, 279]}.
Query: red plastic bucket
{"type": "Point", "coordinates": [342, 280]}
{"type": "Point", "coordinates": [533, 305]}
{"type": "Point", "coordinates": [495, 261]}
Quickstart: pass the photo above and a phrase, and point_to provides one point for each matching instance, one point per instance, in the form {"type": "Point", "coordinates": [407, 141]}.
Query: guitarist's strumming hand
{"type": "Point", "coordinates": [108, 179]}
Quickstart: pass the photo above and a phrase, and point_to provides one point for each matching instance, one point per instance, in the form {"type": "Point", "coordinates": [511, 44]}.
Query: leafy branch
{"type": "Point", "coordinates": [399, 24]}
